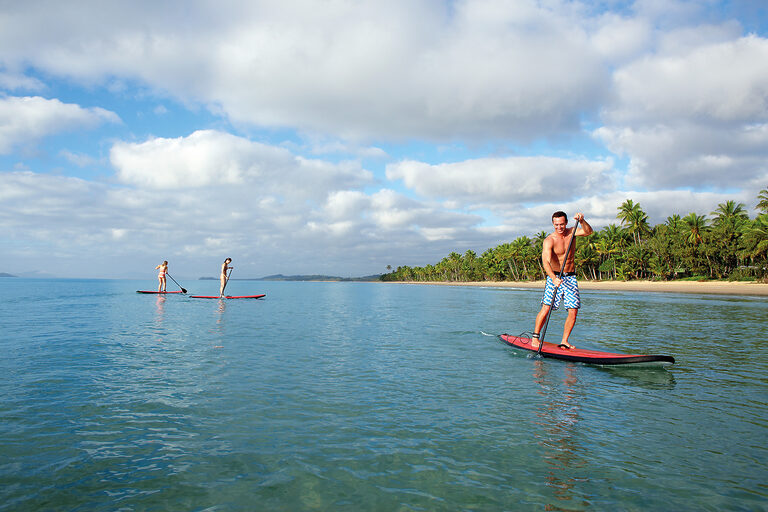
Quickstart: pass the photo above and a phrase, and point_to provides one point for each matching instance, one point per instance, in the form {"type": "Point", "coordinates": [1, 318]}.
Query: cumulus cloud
{"type": "Point", "coordinates": [722, 82]}
{"type": "Point", "coordinates": [691, 155]}
{"type": "Point", "coordinates": [352, 69]}
{"type": "Point", "coordinates": [349, 233]}
{"type": "Point", "coordinates": [18, 81]}
{"type": "Point", "coordinates": [26, 119]}
{"type": "Point", "coordinates": [78, 159]}
{"type": "Point", "coordinates": [693, 119]}
{"type": "Point", "coordinates": [512, 180]}
{"type": "Point", "coordinates": [686, 103]}
{"type": "Point", "coordinates": [211, 158]}
{"type": "Point", "coordinates": [618, 39]}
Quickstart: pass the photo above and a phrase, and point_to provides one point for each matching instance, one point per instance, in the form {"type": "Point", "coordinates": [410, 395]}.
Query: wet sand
{"type": "Point", "coordinates": [700, 287]}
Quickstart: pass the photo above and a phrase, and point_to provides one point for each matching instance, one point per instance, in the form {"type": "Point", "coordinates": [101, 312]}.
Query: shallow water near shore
{"type": "Point", "coordinates": [373, 396]}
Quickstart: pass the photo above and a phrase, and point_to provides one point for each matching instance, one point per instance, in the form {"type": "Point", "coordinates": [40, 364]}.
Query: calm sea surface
{"type": "Point", "coordinates": [372, 396]}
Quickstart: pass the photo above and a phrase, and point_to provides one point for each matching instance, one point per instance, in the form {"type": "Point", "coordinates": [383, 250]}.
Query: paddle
{"type": "Point", "coordinates": [554, 295]}
{"type": "Point", "coordinates": [183, 290]}
{"type": "Point", "coordinates": [226, 282]}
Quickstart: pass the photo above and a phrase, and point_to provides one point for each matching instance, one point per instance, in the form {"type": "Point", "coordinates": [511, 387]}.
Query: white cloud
{"type": "Point", "coordinates": [73, 227]}
{"type": "Point", "coordinates": [367, 69]}
{"type": "Point", "coordinates": [693, 119]}
{"type": "Point", "coordinates": [617, 38]}
{"type": "Point", "coordinates": [23, 120]}
{"type": "Point", "coordinates": [724, 83]}
{"type": "Point", "coordinates": [80, 160]}
{"type": "Point", "coordinates": [511, 180]}
{"type": "Point", "coordinates": [17, 81]}
{"type": "Point", "coordinates": [127, 228]}
{"type": "Point", "coordinates": [692, 155]}
{"type": "Point", "coordinates": [210, 158]}
{"type": "Point", "coordinates": [685, 102]}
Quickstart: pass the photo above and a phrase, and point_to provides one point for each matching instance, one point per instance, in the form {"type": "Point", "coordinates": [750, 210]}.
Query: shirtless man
{"type": "Point", "coordinates": [163, 269]}
{"type": "Point", "coordinates": [224, 277]}
{"type": "Point", "coordinates": [555, 246]}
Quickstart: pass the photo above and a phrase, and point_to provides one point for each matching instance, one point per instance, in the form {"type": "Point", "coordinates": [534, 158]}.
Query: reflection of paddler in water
{"type": "Point", "coordinates": [219, 330]}
{"type": "Point", "coordinates": [558, 422]}
{"type": "Point", "coordinates": [224, 275]}
{"type": "Point", "coordinates": [163, 267]}
{"type": "Point", "coordinates": [160, 306]}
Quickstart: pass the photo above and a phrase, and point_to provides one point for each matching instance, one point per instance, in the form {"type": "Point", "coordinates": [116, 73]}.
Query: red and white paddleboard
{"type": "Point", "coordinates": [585, 356]}
{"type": "Point", "coordinates": [157, 293]}
{"type": "Point", "coordinates": [228, 296]}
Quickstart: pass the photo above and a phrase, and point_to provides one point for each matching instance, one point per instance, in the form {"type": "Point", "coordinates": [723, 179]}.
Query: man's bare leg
{"type": "Point", "coordinates": [570, 321]}
{"type": "Point", "coordinates": [539, 324]}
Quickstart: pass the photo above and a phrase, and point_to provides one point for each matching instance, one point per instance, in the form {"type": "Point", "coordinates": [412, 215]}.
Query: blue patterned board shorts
{"type": "Point", "coordinates": [568, 293]}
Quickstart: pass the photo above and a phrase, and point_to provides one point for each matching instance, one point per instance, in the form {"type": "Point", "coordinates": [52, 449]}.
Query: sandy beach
{"type": "Point", "coordinates": [700, 287]}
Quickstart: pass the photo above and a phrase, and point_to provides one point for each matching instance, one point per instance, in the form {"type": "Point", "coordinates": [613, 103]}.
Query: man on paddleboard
{"type": "Point", "coordinates": [552, 256]}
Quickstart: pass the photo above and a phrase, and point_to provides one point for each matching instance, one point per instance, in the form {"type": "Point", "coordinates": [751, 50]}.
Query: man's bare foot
{"type": "Point", "coordinates": [565, 345]}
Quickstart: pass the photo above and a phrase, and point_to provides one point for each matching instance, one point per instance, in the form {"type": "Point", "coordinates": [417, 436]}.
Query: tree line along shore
{"type": "Point", "coordinates": [728, 245]}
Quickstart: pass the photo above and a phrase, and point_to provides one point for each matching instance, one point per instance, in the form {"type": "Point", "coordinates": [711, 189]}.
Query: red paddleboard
{"type": "Point", "coordinates": [228, 296]}
{"type": "Point", "coordinates": [147, 291]}
{"type": "Point", "coordinates": [585, 356]}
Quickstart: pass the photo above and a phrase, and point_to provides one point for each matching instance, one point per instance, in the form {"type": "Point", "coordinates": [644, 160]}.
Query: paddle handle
{"type": "Point", "coordinates": [554, 295]}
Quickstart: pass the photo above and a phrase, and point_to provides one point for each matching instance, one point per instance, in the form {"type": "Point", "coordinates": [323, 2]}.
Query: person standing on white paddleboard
{"type": "Point", "coordinates": [554, 260]}
{"type": "Point", "coordinates": [224, 275]}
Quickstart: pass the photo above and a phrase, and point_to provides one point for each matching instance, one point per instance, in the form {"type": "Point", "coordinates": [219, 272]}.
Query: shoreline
{"type": "Point", "coordinates": [695, 287]}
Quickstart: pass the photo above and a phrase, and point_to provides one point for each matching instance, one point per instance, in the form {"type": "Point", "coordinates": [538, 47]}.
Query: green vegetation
{"type": "Point", "coordinates": [729, 245]}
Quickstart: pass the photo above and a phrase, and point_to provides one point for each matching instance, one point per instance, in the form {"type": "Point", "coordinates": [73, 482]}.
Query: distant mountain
{"type": "Point", "coordinates": [314, 277]}
{"type": "Point", "coordinates": [36, 274]}
{"type": "Point", "coordinates": [33, 274]}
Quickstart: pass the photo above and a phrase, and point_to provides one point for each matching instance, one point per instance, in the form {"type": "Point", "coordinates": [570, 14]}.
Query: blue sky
{"type": "Point", "coordinates": [340, 137]}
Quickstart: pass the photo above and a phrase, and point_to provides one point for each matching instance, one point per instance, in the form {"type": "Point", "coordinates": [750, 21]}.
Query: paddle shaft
{"type": "Point", "coordinates": [554, 295]}
{"type": "Point", "coordinates": [183, 290]}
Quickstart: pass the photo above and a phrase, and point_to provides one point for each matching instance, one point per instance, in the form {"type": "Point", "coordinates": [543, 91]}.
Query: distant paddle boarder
{"type": "Point", "coordinates": [163, 270]}
{"type": "Point", "coordinates": [224, 276]}
{"type": "Point", "coordinates": [552, 258]}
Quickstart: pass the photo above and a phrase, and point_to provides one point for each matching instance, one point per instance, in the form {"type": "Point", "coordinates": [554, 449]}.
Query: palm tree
{"type": "Point", "coordinates": [469, 266]}
{"type": "Point", "coordinates": [521, 249]}
{"type": "Point", "coordinates": [729, 211]}
{"type": "Point", "coordinates": [762, 205]}
{"type": "Point", "coordinates": [626, 210]}
{"type": "Point", "coordinates": [755, 238]}
{"type": "Point", "coordinates": [696, 225]}
{"type": "Point", "coordinates": [505, 255]}
{"type": "Point", "coordinates": [617, 242]}
{"type": "Point", "coordinates": [587, 257]}
{"type": "Point", "coordinates": [635, 218]}
{"type": "Point", "coordinates": [454, 265]}
{"type": "Point", "coordinates": [538, 248]}
{"type": "Point", "coordinates": [723, 242]}
{"type": "Point", "coordinates": [675, 222]}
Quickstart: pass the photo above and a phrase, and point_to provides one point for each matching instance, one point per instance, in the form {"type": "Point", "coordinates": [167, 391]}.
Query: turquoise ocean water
{"type": "Point", "coordinates": [372, 396]}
